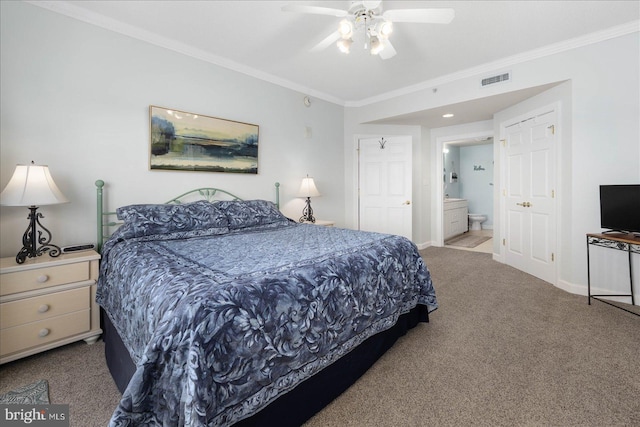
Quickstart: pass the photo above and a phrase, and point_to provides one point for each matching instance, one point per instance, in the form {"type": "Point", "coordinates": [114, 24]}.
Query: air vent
{"type": "Point", "coordinates": [500, 78]}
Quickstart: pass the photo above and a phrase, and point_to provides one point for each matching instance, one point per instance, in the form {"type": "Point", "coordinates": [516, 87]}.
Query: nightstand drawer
{"type": "Point", "coordinates": [45, 331]}
{"type": "Point", "coordinates": [43, 307]}
{"type": "Point", "coordinates": [38, 278]}
{"type": "Point", "coordinates": [321, 222]}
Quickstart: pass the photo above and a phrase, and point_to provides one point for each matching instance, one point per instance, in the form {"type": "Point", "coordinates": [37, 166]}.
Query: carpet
{"type": "Point", "coordinates": [32, 394]}
{"type": "Point", "coordinates": [467, 241]}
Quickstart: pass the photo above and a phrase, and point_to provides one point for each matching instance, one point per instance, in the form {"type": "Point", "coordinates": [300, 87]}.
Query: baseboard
{"type": "Point", "coordinates": [425, 245]}
{"type": "Point", "coordinates": [572, 288]}
{"type": "Point", "coordinates": [575, 289]}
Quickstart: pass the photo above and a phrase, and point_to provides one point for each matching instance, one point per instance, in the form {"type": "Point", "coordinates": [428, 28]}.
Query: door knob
{"type": "Point", "coordinates": [524, 204]}
{"type": "Point", "coordinates": [408, 202]}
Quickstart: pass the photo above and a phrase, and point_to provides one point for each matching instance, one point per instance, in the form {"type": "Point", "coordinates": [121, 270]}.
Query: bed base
{"type": "Point", "coordinates": [309, 397]}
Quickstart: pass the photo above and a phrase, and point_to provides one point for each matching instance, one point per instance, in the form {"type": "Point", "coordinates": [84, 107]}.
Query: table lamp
{"type": "Point", "coordinates": [33, 186]}
{"type": "Point", "coordinates": [308, 189]}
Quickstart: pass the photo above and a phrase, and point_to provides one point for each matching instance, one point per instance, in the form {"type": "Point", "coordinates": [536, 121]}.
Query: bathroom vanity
{"type": "Point", "coordinates": [456, 219]}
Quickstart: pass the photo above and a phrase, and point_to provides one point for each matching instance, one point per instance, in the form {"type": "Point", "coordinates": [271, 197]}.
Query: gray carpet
{"type": "Point", "coordinates": [503, 349]}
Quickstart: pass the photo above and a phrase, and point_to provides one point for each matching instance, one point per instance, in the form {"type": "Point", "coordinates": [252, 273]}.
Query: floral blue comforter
{"type": "Point", "coordinates": [222, 318]}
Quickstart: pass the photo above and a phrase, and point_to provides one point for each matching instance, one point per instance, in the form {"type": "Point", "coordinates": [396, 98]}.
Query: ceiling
{"type": "Point", "coordinates": [259, 39]}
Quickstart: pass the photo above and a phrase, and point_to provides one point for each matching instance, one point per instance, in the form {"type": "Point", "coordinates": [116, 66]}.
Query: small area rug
{"type": "Point", "coordinates": [32, 394]}
{"type": "Point", "coordinates": [467, 241]}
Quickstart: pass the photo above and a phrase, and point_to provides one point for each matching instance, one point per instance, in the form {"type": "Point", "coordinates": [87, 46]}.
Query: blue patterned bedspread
{"type": "Point", "coordinates": [220, 325]}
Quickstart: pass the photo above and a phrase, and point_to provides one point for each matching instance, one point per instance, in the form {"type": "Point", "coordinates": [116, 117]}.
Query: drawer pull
{"type": "Point", "coordinates": [42, 278]}
{"type": "Point", "coordinates": [43, 332]}
{"type": "Point", "coordinates": [43, 308]}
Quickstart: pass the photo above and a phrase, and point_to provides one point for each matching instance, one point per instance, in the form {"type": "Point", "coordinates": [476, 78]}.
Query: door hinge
{"type": "Point", "coordinates": [553, 129]}
{"type": "Point", "coordinates": [553, 257]}
{"type": "Point", "coordinates": [504, 192]}
{"type": "Point", "coordinates": [504, 242]}
{"type": "Point", "coordinates": [553, 194]}
{"type": "Point", "coordinates": [504, 142]}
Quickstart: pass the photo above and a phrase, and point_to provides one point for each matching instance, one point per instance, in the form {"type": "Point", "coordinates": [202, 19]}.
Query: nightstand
{"type": "Point", "coordinates": [322, 222]}
{"type": "Point", "coordinates": [47, 302]}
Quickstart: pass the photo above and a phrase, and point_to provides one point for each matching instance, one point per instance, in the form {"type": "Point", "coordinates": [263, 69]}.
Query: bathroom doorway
{"type": "Point", "coordinates": [467, 175]}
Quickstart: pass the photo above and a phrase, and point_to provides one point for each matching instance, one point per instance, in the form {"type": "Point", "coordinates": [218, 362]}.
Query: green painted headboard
{"type": "Point", "coordinates": [106, 219]}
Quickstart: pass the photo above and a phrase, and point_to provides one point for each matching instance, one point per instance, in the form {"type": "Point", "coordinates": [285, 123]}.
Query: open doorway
{"type": "Point", "coordinates": [466, 173]}
{"type": "Point", "coordinates": [468, 182]}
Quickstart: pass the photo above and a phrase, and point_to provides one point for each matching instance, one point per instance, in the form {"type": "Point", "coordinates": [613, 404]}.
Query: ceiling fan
{"type": "Point", "coordinates": [376, 24]}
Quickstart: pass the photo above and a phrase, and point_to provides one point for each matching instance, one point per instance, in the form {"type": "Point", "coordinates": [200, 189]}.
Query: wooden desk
{"type": "Point", "coordinates": [622, 242]}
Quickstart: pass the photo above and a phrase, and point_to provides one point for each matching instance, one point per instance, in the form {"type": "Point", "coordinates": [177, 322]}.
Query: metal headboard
{"type": "Point", "coordinates": [106, 222]}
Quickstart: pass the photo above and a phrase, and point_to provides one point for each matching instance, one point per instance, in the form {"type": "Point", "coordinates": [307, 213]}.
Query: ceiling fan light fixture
{"type": "Point", "coordinates": [344, 45]}
{"type": "Point", "coordinates": [376, 45]}
{"type": "Point", "coordinates": [376, 22]}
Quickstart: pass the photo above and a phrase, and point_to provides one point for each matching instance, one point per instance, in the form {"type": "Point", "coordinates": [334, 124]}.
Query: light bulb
{"type": "Point", "coordinates": [345, 28]}
{"type": "Point", "coordinates": [376, 45]}
{"type": "Point", "coordinates": [386, 28]}
{"type": "Point", "coordinates": [344, 45]}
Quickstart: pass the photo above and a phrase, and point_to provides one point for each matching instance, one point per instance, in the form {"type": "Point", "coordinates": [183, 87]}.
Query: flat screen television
{"type": "Point", "coordinates": [620, 208]}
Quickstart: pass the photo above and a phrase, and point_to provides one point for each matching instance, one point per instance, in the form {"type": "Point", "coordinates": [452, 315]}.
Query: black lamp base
{"type": "Point", "coordinates": [307, 212]}
{"type": "Point", "coordinates": [32, 237]}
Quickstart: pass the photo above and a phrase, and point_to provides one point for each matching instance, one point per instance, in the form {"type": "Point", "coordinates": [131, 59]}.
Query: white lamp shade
{"type": "Point", "coordinates": [308, 188]}
{"type": "Point", "coordinates": [31, 185]}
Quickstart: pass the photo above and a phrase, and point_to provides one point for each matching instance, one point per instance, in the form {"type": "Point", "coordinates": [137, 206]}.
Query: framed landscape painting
{"type": "Point", "coordinates": [192, 142]}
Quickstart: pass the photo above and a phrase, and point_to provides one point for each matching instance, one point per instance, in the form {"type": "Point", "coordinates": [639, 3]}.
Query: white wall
{"type": "Point", "coordinates": [476, 180]}
{"type": "Point", "coordinates": [601, 134]}
{"type": "Point", "coordinates": [76, 97]}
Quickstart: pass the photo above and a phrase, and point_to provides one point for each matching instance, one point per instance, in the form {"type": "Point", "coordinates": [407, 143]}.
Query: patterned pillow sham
{"type": "Point", "coordinates": [145, 220]}
{"type": "Point", "coordinates": [243, 214]}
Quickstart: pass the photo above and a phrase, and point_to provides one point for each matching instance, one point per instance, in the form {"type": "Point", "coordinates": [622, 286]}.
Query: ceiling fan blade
{"type": "Point", "coordinates": [326, 42]}
{"type": "Point", "coordinates": [316, 10]}
{"type": "Point", "coordinates": [425, 16]}
{"type": "Point", "coordinates": [389, 51]}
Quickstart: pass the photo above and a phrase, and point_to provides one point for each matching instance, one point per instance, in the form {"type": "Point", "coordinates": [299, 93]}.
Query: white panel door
{"type": "Point", "coordinates": [384, 178]}
{"type": "Point", "coordinates": [530, 196]}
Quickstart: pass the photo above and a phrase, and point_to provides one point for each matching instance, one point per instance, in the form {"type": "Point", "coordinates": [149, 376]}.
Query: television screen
{"type": "Point", "coordinates": [620, 207]}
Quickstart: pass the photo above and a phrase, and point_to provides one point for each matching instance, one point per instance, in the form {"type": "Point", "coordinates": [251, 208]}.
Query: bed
{"type": "Point", "coordinates": [225, 312]}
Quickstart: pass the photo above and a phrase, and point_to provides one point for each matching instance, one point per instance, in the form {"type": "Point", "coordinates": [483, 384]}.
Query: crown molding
{"type": "Point", "coordinates": [506, 63]}
{"type": "Point", "coordinates": [68, 9]}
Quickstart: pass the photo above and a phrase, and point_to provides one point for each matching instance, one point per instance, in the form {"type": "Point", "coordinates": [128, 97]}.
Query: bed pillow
{"type": "Point", "coordinates": [145, 220]}
{"type": "Point", "coordinates": [243, 214]}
